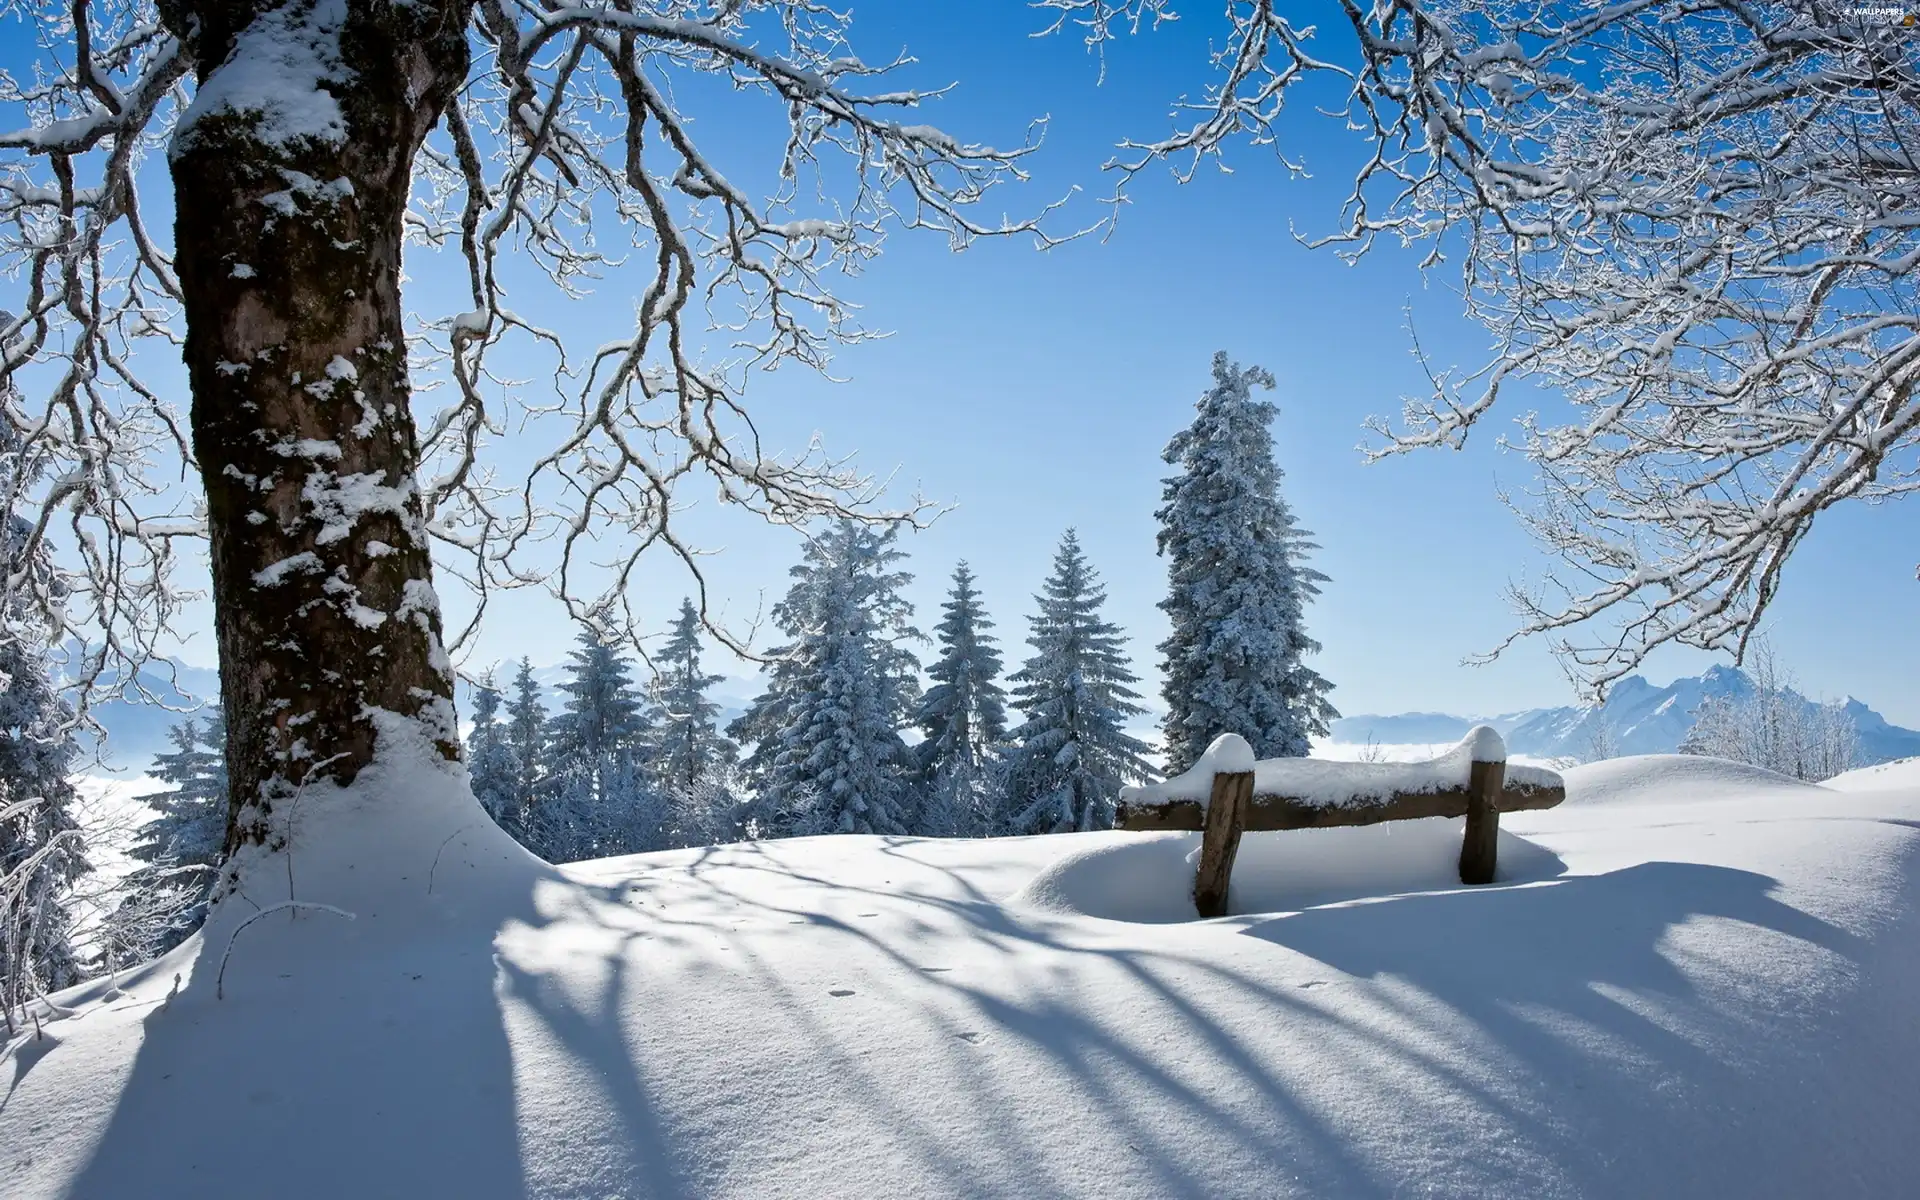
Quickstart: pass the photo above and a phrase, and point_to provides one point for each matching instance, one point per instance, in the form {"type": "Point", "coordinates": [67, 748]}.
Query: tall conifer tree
{"type": "Point", "coordinates": [165, 898]}
{"type": "Point", "coordinates": [1239, 583]}
{"type": "Point", "coordinates": [491, 762]}
{"type": "Point", "coordinates": [41, 850]}
{"type": "Point", "coordinates": [828, 757]}
{"type": "Point", "coordinates": [595, 800]}
{"type": "Point", "coordinates": [685, 744]}
{"type": "Point", "coordinates": [1069, 760]}
{"type": "Point", "coordinates": [962, 715]}
{"type": "Point", "coordinates": [526, 737]}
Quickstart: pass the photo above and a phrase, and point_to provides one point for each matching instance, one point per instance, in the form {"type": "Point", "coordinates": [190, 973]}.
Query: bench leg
{"type": "Point", "coordinates": [1478, 849]}
{"type": "Point", "coordinates": [1226, 819]}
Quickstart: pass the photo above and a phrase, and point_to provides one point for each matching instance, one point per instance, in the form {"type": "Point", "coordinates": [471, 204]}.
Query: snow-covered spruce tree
{"type": "Point", "coordinates": [689, 760]}
{"type": "Point", "coordinates": [526, 737]}
{"type": "Point", "coordinates": [594, 800]}
{"type": "Point", "coordinates": [1067, 763]}
{"type": "Point", "coordinates": [827, 754]}
{"type": "Point", "coordinates": [166, 897]}
{"type": "Point", "coordinates": [1235, 661]}
{"type": "Point", "coordinates": [307, 140]}
{"type": "Point", "coordinates": [492, 764]}
{"type": "Point", "coordinates": [963, 715]}
{"type": "Point", "coordinates": [684, 743]}
{"type": "Point", "coordinates": [41, 848]}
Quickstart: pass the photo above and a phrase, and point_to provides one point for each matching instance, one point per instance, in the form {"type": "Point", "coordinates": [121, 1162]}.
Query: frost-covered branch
{"type": "Point", "coordinates": [89, 433]}
{"type": "Point", "coordinates": [1699, 222]}
{"type": "Point", "coordinates": [579, 132]}
{"type": "Point", "coordinates": [1701, 225]}
{"type": "Point", "coordinates": [572, 149]}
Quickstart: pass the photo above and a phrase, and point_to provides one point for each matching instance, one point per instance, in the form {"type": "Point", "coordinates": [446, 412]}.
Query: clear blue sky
{"type": "Point", "coordinates": [1035, 391]}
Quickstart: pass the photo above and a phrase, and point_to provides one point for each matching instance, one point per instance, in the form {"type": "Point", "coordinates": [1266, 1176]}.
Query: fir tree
{"type": "Point", "coordinates": [595, 800]}
{"type": "Point", "coordinates": [1238, 584]}
{"type": "Point", "coordinates": [41, 850]}
{"type": "Point", "coordinates": [828, 757]}
{"type": "Point", "coordinates": [685, 744]}
{"type": "Point", "coordinates": [690, 761]}
{"type": "Point", "coordinates": [1067, 763]}
{"type": "Point", "coordinates": [180, 849]}
{"type": "Point", "coordinates": [962, 716]}
{"type": "Point", "coordinates": [526, 738]}
{"type": "Point", "coordinates": [492, 763]}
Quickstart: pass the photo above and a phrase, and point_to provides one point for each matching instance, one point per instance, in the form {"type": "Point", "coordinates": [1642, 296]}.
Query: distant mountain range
{"type": "Point", "coordinates": [1641, 718]}
{"type": "Point", "coordinates": [136, 730]}
{"type": "Point", "coordinates": [1638, 718]}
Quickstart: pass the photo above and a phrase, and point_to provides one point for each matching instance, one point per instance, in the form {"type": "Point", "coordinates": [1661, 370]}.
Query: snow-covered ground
{"type": "Point", "coordinates": [1697, 979]}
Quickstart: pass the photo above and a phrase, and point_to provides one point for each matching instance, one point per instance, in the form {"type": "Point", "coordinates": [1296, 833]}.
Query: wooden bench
{"type": "Point", "coordinates": [1472, 780]}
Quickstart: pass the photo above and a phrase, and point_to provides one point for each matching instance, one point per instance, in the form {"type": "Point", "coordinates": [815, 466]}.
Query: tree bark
{"type": "Point", "coordinates": [288, 244]}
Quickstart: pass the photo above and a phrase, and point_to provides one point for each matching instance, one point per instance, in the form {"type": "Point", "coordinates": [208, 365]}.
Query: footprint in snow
{"type": "Point", "coordinates": [972, 1037]}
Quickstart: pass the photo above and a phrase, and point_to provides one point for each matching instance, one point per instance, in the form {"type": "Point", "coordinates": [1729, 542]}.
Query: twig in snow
{"type": "Point", "coordinates": [442, 850]}
{"type": "Point", "coordinates": [220, 980]}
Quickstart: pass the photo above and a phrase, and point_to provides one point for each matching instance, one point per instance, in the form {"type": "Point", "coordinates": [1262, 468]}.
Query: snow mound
{"type": "Point", "coordinates": [1149, 879]}
{"type": "Point", "coordinates": [1672, 778]}
{"type": "Point", "coordinates": [1899, 775]}
{"type": "Point", "coordinates": [1229, 753]}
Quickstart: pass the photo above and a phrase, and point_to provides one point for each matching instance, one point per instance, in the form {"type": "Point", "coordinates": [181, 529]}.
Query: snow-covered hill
{"type": "Point", "coordinates": [1696, 979]}
{"type": "Point", "coordinates": [1638, 718]}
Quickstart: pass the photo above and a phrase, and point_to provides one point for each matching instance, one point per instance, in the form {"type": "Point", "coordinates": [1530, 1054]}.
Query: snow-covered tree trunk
{"type": "Point", "coordinates": [291, 172]}
{"type": "Point", "coordinates": [298, 134]}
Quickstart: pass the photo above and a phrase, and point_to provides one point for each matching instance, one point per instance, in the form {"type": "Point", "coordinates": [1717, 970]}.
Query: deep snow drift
{"type": "Point", "coordinates": [1695, 981]}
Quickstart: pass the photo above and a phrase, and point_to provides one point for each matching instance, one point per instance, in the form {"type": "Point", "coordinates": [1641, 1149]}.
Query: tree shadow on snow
{"type": "Point", "coordinates": [1597, 1047]}
{"type": "Point", "coordinates": [754, 1020]}
{"type": "Point", "coordinates": [341, 1062]}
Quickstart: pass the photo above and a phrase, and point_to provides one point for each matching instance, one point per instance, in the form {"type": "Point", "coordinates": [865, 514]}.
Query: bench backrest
{"type": "Point", "coordinates": [1472, 780]}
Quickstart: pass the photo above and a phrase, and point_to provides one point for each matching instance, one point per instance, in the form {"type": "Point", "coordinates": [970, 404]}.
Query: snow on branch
{"type": "Point", "coordinates": [1695, 221]}
{"type": "Point", "coordinates": [572, 153]}
{"type": "Point", "coordinates": [581, 131]}
{"type": "Point", "coordinates": [85, 438]}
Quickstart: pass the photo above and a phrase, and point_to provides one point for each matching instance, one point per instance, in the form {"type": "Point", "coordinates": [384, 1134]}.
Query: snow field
{"type": "Point", "coordinates": [1690, 981]}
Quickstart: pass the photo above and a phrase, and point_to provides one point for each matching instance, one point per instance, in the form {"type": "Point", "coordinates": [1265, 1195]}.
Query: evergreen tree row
{"type": "Point", "coordinates": [827, 744]}
{"type": "Point", "coordinates": [828, 753]}
{"type": "Point", "coordinates": [844, 739]}
{"type": "Point", "coordinates": [617, 770]}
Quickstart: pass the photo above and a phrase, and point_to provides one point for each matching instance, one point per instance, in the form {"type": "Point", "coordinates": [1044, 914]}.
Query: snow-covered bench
{"type": "Point", "coordinates": [1227, 793]}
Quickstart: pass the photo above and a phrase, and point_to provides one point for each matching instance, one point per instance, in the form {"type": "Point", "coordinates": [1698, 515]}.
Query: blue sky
{"type": "Point", "coordinates": [1034, 391]}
